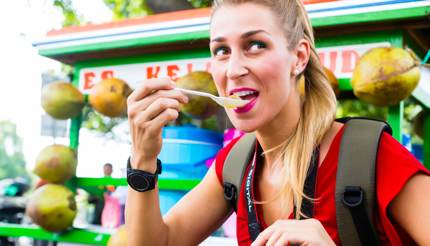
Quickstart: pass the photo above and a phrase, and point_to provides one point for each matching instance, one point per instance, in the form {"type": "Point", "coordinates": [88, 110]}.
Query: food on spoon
{"type": "Point", "coordinates": [236, 102]}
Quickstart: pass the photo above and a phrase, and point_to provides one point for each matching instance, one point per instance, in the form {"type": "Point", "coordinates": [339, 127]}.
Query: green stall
{"type": "Point", "coordinates": [174, 44]}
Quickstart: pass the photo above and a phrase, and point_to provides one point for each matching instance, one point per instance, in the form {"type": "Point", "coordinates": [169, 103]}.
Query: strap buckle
{"type": "Point", "coordinates": [230, 192]}
{"type": "Point", "coordinates": [353, 196]}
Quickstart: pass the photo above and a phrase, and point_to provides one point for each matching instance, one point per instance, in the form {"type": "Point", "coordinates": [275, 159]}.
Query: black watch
{"type": "Point", "coordinates": [140, 180]}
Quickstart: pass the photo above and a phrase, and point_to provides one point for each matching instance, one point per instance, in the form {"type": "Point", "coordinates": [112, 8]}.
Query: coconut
{"type": "Point", "coordinates": [331, 79]}
{"type": "Point", "coordinates": [109, 97]}
{"type": "Point", "coordinates": [52, 207]}
{"type": "Point", "coordinates": [62, 100]}
{"type": "Point", "coordinates": [56, 163]}
{"type": "Point", "coordinates": [385, 76]}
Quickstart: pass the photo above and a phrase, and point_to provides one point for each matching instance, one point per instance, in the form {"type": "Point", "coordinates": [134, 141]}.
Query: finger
{"type": "Point", "coordinates": [274, 237]}
{"type": "Point", "coordinates": [148, 87]}
{"type": "Point", "coordinates": [263, 237]}
{"type": "Point", "coordinates": [283, 240]}
{"type": "Point", "coordinates": [141, 105]}
{"type": "Point", "coordinates": [156, 125]}
{"type": "Point", "coordinates": [156, 108]}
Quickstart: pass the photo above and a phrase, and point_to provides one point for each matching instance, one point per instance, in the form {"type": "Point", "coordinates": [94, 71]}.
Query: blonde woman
{"type": "Point", "coordinates": [259, 50]}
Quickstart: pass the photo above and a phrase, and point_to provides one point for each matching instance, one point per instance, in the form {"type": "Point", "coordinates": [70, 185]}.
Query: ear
{"type": "Point", "coordinates": [303, 52]}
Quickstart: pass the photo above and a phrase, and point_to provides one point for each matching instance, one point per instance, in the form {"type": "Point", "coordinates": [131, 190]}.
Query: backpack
{"type": "Point", "coordinates": [355, 181]}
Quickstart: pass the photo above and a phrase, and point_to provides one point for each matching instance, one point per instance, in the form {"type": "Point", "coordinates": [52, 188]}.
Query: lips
{"type": "Point", "coordinates": [244, 93]}
{"type": "Point", "coordinates": [248, 94]}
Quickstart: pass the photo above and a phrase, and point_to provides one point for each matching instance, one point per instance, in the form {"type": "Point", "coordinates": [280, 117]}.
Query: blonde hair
{"type": "Point", "coordinates": [318, 104]}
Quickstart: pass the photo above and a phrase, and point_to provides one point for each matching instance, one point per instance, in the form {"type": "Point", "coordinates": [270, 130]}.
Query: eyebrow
{"type": "Point", "coordinates": [243, 36]}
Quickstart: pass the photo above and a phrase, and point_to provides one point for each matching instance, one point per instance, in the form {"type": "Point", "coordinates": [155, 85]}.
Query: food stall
{"type": "Point", "coordinates": [174, 44]}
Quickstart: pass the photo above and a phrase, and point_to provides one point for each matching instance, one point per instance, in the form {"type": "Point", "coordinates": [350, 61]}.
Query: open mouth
{"type": "Point", "coordinates": [245, 94]}
{"type": "Point", "coordinates": [248, 94]}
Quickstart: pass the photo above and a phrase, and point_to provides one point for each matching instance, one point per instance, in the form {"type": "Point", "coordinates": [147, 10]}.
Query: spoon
{"type": "Point", "coordinates": [227, 102]}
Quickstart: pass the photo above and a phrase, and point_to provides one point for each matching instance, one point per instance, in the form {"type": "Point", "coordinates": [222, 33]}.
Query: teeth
{"type": "Point", "coordinates": [244, 93]}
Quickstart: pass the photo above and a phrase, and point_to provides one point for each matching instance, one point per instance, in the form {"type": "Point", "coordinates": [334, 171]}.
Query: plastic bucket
{"type": "Point", "coordinates": [185, 150]}
{"type": "Point", "coordinates": [183, 154]}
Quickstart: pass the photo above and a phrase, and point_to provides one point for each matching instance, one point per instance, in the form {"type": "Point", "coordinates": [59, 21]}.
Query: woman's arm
{"type": "Point", "coordinates": [150, 107]}
{"type": "Point", "coordinates": [190, 221]}
{"type": "Point", "coordinates": [411, 208]}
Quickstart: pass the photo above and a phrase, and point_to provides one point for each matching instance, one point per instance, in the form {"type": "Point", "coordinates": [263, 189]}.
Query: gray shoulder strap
{"type": "Point", "coordinates": [356, 168]}
{"type": "Point", "coordinates": [235, 164]}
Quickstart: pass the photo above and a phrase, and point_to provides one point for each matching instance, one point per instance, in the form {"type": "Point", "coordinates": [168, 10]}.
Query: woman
{"type": "Point", "coordinates": [259, 51]}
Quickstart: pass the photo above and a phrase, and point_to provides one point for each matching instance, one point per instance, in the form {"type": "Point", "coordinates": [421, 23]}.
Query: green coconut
{"type": "Point", "coordinates": [52, 207]}
{"type": "Point", "coordinates": [62, 100]}
{"type": "Point", "coordinates": [385, 76]}
{"type": "Point", "coordinates": [56, 163]}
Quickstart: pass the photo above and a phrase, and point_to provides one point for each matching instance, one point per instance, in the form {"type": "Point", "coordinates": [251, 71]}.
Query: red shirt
{"type": "Point", "coordinates": [395, 165]}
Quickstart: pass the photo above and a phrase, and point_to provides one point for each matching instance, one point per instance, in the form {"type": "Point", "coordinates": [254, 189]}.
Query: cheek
{"type": "Point", "coordinates": [274, 70]}
{"type": "Point", "coordinates": [218, 76]}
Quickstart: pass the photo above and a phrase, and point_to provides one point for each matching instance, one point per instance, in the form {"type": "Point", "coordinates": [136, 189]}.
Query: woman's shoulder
{"type": "Point", "coordinates": [221, 156]}
{"type": "Point", "coordinates": [392, 153]}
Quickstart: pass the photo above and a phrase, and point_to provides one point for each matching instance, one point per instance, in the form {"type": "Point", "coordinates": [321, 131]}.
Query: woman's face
{"type": "Point", "coordinates": [250, 59]}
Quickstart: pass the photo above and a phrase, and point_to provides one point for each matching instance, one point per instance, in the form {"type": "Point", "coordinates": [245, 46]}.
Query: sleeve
{"type": "Point", "coordinates": [220, 158]}
{"type": "Point", "coordinates": [395, 166]}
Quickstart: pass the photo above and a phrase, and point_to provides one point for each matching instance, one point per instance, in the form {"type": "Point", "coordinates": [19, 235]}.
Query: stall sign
{"type": "Point", "coordinates": [135, 73]}
{"type": "Point", "coordinates": [341, 60]}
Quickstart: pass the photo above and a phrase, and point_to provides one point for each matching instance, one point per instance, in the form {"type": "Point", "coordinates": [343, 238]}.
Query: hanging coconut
{"type": "Point", "coordinates": [199, 107]}
{"type": "Point", "coordinates": [56, 163]}
{"type": "Point", "coordinates": [331, 79]}
{"type": "Point", "coordinates": [385, 76]}
{"type": "Point", "coordinates": [62, 100]}
{"type": "Point", "coordinates": [109, 97]}
{"type": "Point", "coordinates": [52, 207]}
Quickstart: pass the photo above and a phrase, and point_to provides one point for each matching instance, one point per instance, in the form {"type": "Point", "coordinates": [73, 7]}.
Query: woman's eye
{"type": "Point", "coordinates": [220, 51]}
{"type": "Point", "coordinates": [256, 46]}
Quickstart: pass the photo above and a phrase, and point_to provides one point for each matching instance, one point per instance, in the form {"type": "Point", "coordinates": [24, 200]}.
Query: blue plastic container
{"type": "Point", "coordinates": [183, 154]}
{"type": "Point", "coordinates": [185, 150]}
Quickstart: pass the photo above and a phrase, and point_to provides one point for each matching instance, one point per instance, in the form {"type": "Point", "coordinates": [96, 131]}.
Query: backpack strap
{"type": "Point", "coordinates": [234, 167]}
{"type": "Point", "coordinates": [356, 181]}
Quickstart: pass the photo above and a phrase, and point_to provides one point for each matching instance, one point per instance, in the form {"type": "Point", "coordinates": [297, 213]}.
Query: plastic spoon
{"type": "Point", "coordinates": [227, 102]}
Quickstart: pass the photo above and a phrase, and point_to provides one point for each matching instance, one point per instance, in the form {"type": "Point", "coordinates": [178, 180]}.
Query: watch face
{"type": "Point", "coordinates": [138, 182]}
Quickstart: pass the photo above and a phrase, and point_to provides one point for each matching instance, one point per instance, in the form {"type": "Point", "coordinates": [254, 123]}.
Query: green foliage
{"type": "Point", "coordinates": [200, 3]}
{"type": "Point", "coordinates": [69, 13]}
{"type": "Point", "coordinates": [12, 163]}
{"type": "Point", "coordinates": [100, 124]}
{"type": "Point", "coordinates": [357, 108]}
{"type": "Point", "coordinates": [124, 9]}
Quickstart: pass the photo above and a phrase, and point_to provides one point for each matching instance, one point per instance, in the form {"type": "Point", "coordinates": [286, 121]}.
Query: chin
{"type": "Point", "coordinates": [245, 125]}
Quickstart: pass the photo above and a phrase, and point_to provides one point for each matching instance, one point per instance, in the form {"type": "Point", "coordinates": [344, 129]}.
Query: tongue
{"type": "Point", "coordinates": [249, 97]}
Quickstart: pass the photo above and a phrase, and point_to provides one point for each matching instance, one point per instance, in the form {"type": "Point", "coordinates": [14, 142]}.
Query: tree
{"type": "Point", "coordinates": [71, 18]}
{"type": "Point", "coordinates": [123, 9]}
{"type": "Point", "coordinates": [12, 163]}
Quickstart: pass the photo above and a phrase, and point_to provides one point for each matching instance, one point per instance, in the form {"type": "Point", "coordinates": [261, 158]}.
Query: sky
{"type": "Point", "coordinates": [23, 22]}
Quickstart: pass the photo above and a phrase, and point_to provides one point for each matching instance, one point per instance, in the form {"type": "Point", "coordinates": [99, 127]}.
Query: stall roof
{"type": "Point", "coordinates": [189, 28]}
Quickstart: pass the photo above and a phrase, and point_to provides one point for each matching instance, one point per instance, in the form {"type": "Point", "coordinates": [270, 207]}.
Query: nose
{"type": "Point", "coordinates": [236, 67]}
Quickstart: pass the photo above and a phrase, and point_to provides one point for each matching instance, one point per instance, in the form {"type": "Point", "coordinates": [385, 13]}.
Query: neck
{"type": "Point", "coordinates": [280, 128]}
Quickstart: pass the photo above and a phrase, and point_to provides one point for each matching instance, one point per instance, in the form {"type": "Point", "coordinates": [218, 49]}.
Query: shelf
{"type": "Point", "coordinates": [82, 236]}
{"type": "Point", "coordinates": [163, 184]}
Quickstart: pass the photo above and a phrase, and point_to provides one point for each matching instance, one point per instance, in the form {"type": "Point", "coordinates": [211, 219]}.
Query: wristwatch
{"type": "Point", "coordinates": [140, 180]}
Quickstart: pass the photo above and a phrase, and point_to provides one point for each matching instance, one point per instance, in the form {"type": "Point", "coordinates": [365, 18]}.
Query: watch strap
{"type": "Point", "coordinates": [140, 180]}
{"type": "Point", "coordinates": [157, 171]}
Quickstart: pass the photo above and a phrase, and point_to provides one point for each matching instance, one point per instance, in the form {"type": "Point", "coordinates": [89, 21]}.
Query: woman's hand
{"type": "Point", "coordinates": [294, 232]}
{"type": "Point", "coordinates": [150, 107]}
